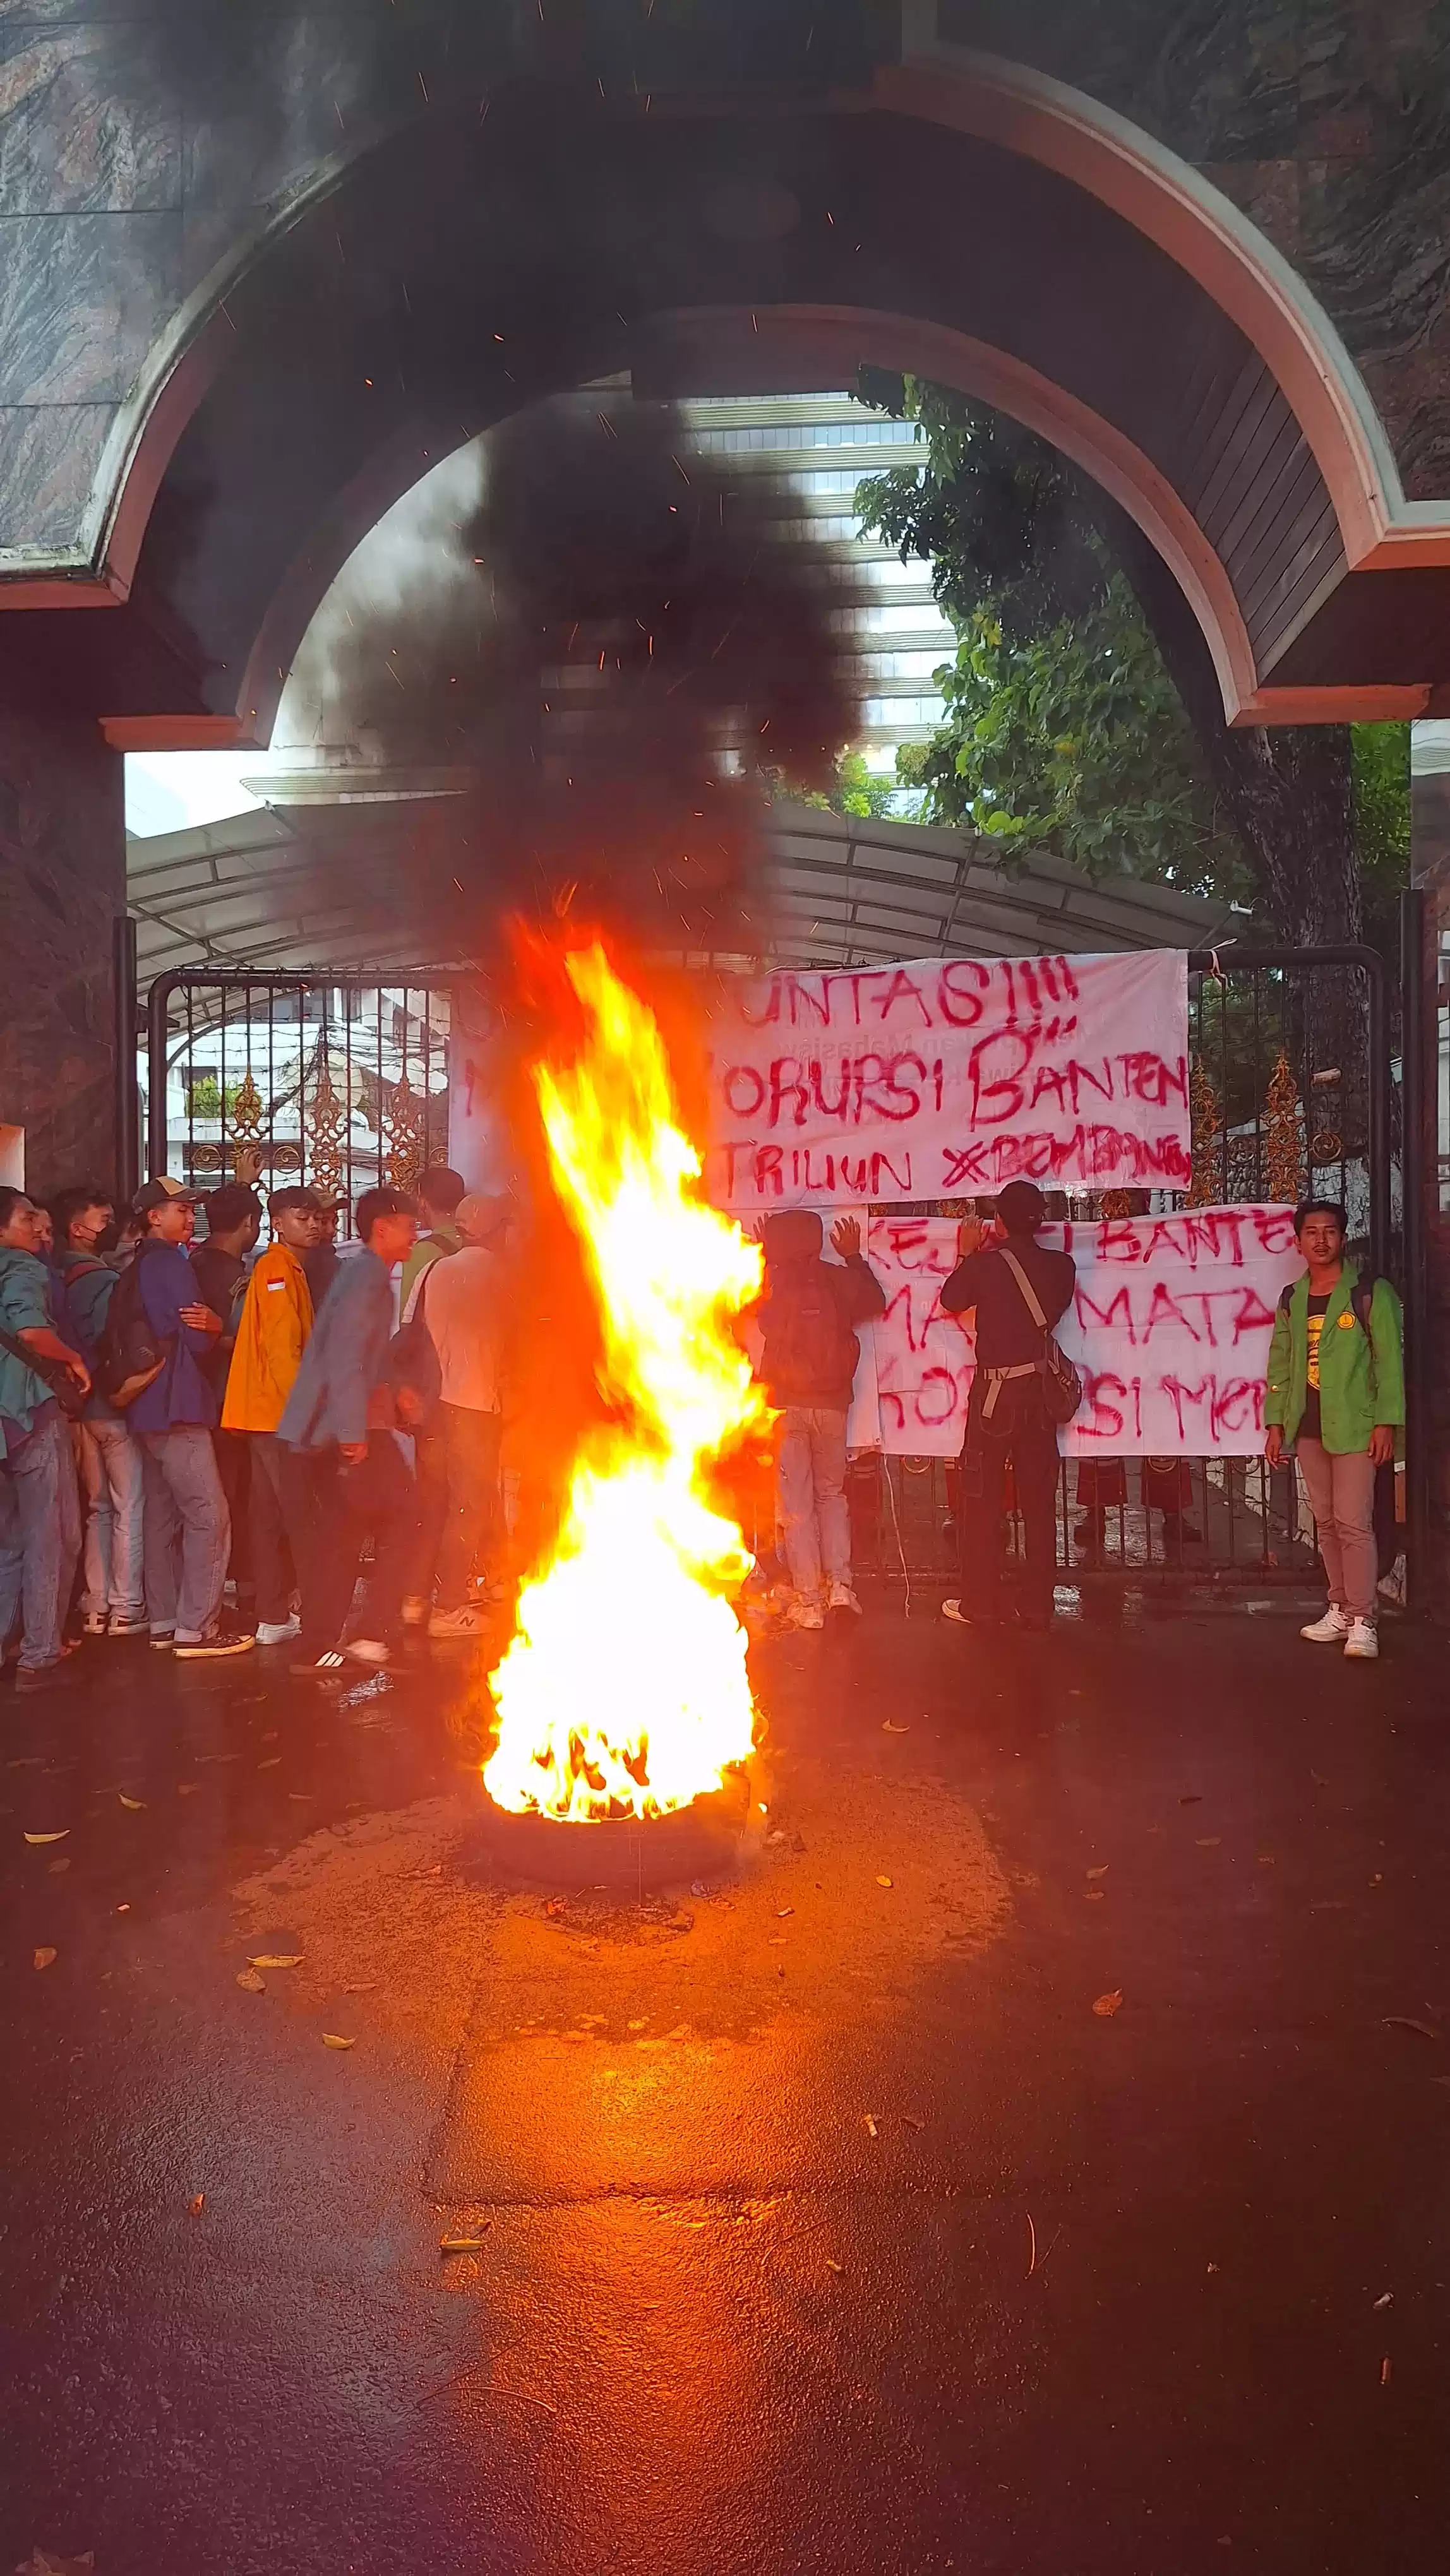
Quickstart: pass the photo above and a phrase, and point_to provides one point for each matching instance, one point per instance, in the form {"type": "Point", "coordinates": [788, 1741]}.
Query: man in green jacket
{"type": "Point", "coordinates": [1336, 1396]}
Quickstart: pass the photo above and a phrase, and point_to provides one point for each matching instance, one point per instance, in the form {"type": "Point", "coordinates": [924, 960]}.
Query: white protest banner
{"type": "Point", "coordinates": [945, 1078]}
{"type": "Point", "coordinates": [1169, 1325]}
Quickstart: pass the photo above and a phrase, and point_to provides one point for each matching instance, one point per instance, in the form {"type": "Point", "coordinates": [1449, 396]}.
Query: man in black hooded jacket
{"type": "Point", "coordinates": [808, 1366]}
{"type": "Point", "coordinates": [1006, 1414]}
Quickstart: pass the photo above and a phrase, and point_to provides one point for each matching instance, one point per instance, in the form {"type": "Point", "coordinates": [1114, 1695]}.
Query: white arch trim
{"type": "Point", "coordinates": [1164, 197]}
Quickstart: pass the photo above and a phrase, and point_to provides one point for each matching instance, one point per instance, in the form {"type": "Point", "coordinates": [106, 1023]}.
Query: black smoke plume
{"type": "Point", "coordinates": [625, 652]}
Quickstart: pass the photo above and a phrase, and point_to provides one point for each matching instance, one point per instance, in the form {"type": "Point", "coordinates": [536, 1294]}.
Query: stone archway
{"type": "Point", "coordinates": [961, 217]}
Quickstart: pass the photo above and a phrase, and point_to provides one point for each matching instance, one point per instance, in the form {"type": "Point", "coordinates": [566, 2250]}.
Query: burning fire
{"type": "Point", "coordinates": [624, 1690]}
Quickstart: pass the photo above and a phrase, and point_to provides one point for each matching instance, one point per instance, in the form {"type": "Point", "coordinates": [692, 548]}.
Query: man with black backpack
{"type": "Point", "coordinates": [808, 1365]}
{"type": "Point", "coordinates": [1019, 1291]}
{"type": "Point", "coordinates": [1335, 1397]}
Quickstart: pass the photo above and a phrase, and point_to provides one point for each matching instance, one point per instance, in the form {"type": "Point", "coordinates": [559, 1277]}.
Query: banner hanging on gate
{"type": "Point", "coordinates": [949, 1077]}
{"type": "Point", "coordinates": [1169, 1325]}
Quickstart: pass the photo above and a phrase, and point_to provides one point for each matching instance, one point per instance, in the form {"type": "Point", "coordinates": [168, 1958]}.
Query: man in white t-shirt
{"type": "Point", "coordinates": [461, 1299]}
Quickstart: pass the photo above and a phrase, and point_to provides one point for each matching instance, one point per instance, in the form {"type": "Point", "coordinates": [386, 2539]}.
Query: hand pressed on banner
{"type": "Point", "coordinates": [846, 1237]}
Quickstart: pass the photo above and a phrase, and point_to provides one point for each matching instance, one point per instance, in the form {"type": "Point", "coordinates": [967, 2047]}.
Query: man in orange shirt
{"type": "Point", "coordinates": [273, 1329]}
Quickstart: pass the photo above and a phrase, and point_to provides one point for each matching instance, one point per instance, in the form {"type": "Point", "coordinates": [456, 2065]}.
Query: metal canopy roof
{"type": "Point", "coordinates": [263, 889]}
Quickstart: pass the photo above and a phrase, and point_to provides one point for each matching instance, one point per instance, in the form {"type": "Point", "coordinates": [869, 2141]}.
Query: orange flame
{"type": "Point", "coordinates": [624, 1690]}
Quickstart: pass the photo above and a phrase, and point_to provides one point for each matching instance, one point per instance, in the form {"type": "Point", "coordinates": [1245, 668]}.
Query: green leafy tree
{"type": "Point", "coordinates": [1083, 711]}
{"type": "Point", "coordinates": [859, 790]}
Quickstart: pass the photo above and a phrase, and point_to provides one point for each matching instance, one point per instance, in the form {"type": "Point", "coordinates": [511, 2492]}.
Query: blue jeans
{"type": "Point", "coordinates": [186, 1520]}
{"type": "Point", "coordinates": [40, 1536]}
{"type": "Point", "coordinates": [810, 1489]}
{"type": "Point", "coordinates": [113, 1484]}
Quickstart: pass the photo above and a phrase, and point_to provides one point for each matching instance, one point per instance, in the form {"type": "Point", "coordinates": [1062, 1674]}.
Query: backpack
{"type": "Point", "coordinates": [810, 1349]}
{"type": "Point", "coordinates": [413, 1359]}
{"type": "Point", "coordinates": [132, 1353]}
{"type": "Point", "coordinates": [1060, 1382]}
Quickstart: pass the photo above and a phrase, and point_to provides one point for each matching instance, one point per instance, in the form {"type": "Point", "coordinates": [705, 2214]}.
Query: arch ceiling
{"type": "Point", "coordinates": [964, 220]}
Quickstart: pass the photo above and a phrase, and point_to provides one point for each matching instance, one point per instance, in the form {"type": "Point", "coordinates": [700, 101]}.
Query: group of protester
{"type": "Point", "coordinates": [1334, 1400]}
{"type": "Point", "coordinates": [177, 1417]}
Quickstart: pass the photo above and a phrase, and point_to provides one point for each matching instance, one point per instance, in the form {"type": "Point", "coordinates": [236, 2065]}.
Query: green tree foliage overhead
{"type": "Point", "coordinates": [1081, 709]}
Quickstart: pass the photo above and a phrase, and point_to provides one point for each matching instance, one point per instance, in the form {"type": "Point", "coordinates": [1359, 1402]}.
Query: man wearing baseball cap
{"type": "Point", "coordinates": [188, 1527]}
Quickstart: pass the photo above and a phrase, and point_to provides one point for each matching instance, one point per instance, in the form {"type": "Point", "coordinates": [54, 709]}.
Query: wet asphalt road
{"type": "Point", "coordinates": [823, 2226]}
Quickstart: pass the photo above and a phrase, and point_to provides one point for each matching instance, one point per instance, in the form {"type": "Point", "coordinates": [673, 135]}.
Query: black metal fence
{"type": "Point", "coordinates": [343, 1081]}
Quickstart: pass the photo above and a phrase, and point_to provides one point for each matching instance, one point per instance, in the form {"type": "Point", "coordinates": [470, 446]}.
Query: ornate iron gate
{"type": "Point", "coordinates": [343, 1082]}
{"type": "Point", "coordinates": [335, 1080]}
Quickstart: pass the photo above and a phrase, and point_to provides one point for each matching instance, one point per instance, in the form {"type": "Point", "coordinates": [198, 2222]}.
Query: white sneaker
{"type": "Point", "coordinates": [457, 1623]}
{"type": "Point", "coordinates": [843, 1598]}
{"type": "Point", "coordinates": [277, 1632]}
{"type": "Point", "coordinates": [96, 1623]}
{"type": "Point", "coordinates": [1331, 1630]}
{"type": "Point", "coordinates": [806, 1614]}
{"type": "Point", "coordinates": [1362, 1640]}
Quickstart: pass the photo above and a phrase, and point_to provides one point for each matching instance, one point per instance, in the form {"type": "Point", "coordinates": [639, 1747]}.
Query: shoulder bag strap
{"type": "Point", "coordinates": [1029, 1294]}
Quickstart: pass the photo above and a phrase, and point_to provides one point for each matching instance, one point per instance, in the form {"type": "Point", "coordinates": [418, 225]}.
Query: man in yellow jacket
{"type": "Point", "coordinates": [273, 1329]}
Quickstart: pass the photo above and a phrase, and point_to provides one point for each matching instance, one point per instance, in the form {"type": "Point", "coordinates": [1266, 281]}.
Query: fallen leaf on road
{"type": "Point", "coordinates": [135, 1804]}
{"type": "Point", "coordinates": [1192, 1798]}
{"type": "Point", "coordinates": [271, 1762]}
{"type": "Point", "coordinates": [197, 2205]}
{"type": "Point", "coordinates": [1208, 1842]}
{"type": "Point", "coordinates": [330, 2039]}
{"type": "Point", "coordinates": [56, 1866]}
{"type": "Point", "coordinates": [187, 1788]}
{"type": "Point", "coordinates": [45, 2563]}
{"type": "Point", "coordinates": [890, 1727]}
{"type": "Point", "coordinates": [1385, 2372]}
{"type": "Point", "coordinates": [882, 1882]}
{"type": "Point", "coordinates": [44, 1958]}
{"type": "Point", "coordinates": [251, 1983]}
{"type": "Point", "coordinates": [49, 1838]}
{"type": "Point", "coordinates": [1386, 2301]}
{"type": "Point", "coordinates": [1266, 1860]}
{"type": "Point", "coordinates": [368, 1984]}
{"type": "Point", "coordinates": [1402, 2021]}
{"type": "Point", "coordinates": [1318, 1779]}
{"type": "Point", "coordinates": [462, 2244]}
{"type": "Point", "coordinates": [276, 1959]}
{"type": "Point", "coordinates": [1095, 1895]}
{"type": "Point", "coordinates": [782, 1911]}
{"type": "Point", "coordinates": [1107, 2005]}
{"type": "Point", "coordinates": [871, 2129]}
{"type": "Point", "coordinates": [831, 2265]}
{"type": "Point", "coordinates": [1099, 1869]}
{"type": "Point", "coordinates": [554, 1904]}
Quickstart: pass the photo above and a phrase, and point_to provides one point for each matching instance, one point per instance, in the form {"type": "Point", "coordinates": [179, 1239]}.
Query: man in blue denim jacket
{"type": "Point", "coordinates": [188, 1526]}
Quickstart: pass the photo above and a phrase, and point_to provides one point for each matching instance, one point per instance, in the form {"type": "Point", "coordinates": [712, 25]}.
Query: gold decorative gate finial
{"type": "Point", "coordinates": [323, 1123]}
{"type": "Point", "coordinates": [1204, 1131]}
{"type": "Point", "coordinates": [1283, 1164]}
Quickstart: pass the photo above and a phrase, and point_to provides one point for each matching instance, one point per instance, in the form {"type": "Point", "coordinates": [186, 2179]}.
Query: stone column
{"type": "Point", "coordinates": [1428, 1157]}
{"type": "Point", "coordinates": [62, 889]}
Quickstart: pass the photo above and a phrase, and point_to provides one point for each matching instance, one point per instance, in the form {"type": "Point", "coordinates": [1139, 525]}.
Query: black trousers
{"type": "Point", "coordinates": [332, 1508]}
{"type": "Point", "coordinates": [273, 1556]}
{"type": "Point", "coordinates": [234, 1465]}
{"type": "Point", "coordinates": [1030, 1442]}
